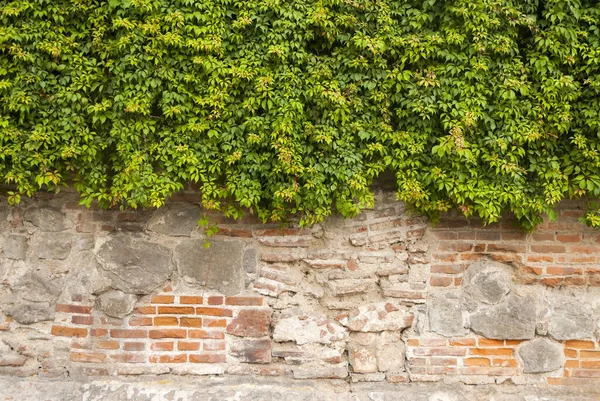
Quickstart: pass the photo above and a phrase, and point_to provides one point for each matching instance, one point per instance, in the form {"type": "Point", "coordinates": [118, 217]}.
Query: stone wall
{"type": "Point", "coordinates": [380, 298]}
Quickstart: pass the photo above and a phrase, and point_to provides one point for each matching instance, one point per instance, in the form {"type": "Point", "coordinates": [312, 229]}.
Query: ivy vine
{"type": "Point", "coordinates": [293, 107]}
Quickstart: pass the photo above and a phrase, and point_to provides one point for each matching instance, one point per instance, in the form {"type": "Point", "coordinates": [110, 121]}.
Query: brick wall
{"type": "Point", "coordinates": [380, 298]}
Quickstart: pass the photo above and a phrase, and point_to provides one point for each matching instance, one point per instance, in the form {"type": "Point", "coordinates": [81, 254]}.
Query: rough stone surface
{"type": "Point", "coordinates": [116, 303]}
{"type": "Point", "coordinates": [250, 323]}
{"type": "Point", "coordinates": [15, 247]}
{"type": "Point", "coordinates": [176, 220]}
{"type": "Point", "coordinates": [134, 265]}
{"type": "Point", "coordinates": [252, 350]}
{"type": "Point", "coordinates": [380, 317]}
{"type": "Point", "coordinates": [487, 282]}
{"type": "Point", "coordinates": [445, 313]}
{"type": "Point", "coordinates": [51, 245]}
{"type": "Point", "coordinates": [219, 267]}
{"type": "Point", "coordinates": [514, 319]}
{"type": "Point", "coordinates": [46, 218]}
{"type": "Point", "coordinates": [28, 313]}
{"type": "Point", "coordinates": [362, 359]}
{"type": "Point", "coordinates": [39, 286]}
{"type": "Point", "coordinates": [250, 260]}
{"type": "Point", "coordinates": [570, 318]}
{"type": "Point", "coordinates": [541, 355]}
{"type": "Point", "coordinates": [308, 328]}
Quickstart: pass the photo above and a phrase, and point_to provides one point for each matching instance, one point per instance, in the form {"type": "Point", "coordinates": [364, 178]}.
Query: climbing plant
{"type": "Point", "coordinates": [293, 107]}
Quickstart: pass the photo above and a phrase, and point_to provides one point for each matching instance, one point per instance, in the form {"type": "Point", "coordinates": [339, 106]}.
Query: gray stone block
{"type": "Point", "coordinates": [15, 247]}
{"type": "Point", "coordinates": [217, 268]}
{"type": "Point", "coordinates": [445, 313]}
{"type": "Point", "coordinates": [56, 246]}
{"type": "Point", "coordinates": [177, 220]}
{"type": "Point", "coordinates": [541, 355]}
{"type": "Point", "coordinates": [487, 282]}
{"type": "Point", "coordinates": [570, 318]}
{"type": "Point", "coordinates": [28, 313]}
{"type": "Point", "coordinates": [116, 303]}
{"type": "Point", "coordinates": [134, 265]}
{"type": "Point", "coordinates": [514, 319]}
{"type": "Point", "coordinates": [46, 218]}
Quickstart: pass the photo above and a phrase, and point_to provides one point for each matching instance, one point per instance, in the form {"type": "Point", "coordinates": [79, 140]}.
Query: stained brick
{"type": "Point", "coordinates": [163, 299]}
{"type": "Point", "coordinates": [118, 333]}
{"type": "Point", "coordinates": [207, 358]}
{"type": "Point", "coordinates": [89, 357]}
{"type": "Point", "coordinates": [191, 300]}
{"type": "Point", "coordinates": [244, 301]}
{"type": "Point", "coordinates": [176, 310]}
{"type": "Point", "coordinates": [69, 331]}
{"type": "Point", "coordinates": [214, 312]}
{"type": "Point", "coordinates": [168, 333]}
{"type": "Point", "coordinates": [74, 309]}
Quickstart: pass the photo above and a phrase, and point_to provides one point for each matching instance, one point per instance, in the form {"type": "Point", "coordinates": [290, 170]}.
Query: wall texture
{"type": "Point", "coordinates": [383, 297]}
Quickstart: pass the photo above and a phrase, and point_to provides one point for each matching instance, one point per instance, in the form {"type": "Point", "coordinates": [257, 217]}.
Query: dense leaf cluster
{"type": "Point", "coordinates": [294, 106]}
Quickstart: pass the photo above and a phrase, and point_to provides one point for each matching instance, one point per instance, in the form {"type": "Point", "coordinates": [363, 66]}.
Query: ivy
{"type": "Point", "coordinates": [294, 107]}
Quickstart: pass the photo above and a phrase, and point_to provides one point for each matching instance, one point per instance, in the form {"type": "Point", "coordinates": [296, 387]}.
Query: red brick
{"type": "Point", "coordinates": [219, 335]}
{"type": "Point", "coordinates": [455, 247]}
{"type": "Point", "coordinates": [140, 321]}
{"type": "Point", "coordinates": [548, 248]}
{"type": "Point", "coordinates": [491, 351]}
{"type": "Point", "coordinates": [146, 310]}
{"type": "Point", "coordinates": [131, 346]}
{"type": "Point", "coordinates": [166, 321]}
{"type": "Point", "coordinates": [190, 322]}
{"type": "Point", "coordinates": [444, 257]}
{"type": "Point", "coordinates": [585, 373]}
{"type": "Point", "coordinates": [542, 237]}
{"type": "Point", "coordinates": [463, 342]}
{"type": "Point", "coordinates": [215, 300]}
{"type": "Point", "coordinates": [486, 342]}
{"type": "Point", "coordinates": [88, 357]}
{"type": "Point", "coordinates": [207, 358]}
{"type": "Point", "coordinates": [107, 344]}
{"type": "Point", "coordinates": [590, 364]}
{"type": "Point", "coordinates": [69, 331]}
{"type": "Point", "coordinates": [586, 249]}
{"type": "Point", "coordinates": [447, 269]}
{"type": "Point", "coordinates": [506, 248]}
{"type": "Point", "coordinates": [557, 270]}
{"type": "Point", "coordinates": [442, 361]}
{"type": "Point", "coordinates": [188, 346]}
{"type": "Point", "coordinates": [87, 320]}
{"type": "Point", "coordinates": [214, 312]}
{"type": "Point", "coordinates": [580, 344]}
{"type": "Point", "coordinates": [250, 323]}
{"type": "Point", "coordinates": [162, 346]}
{"type": "Point", "coordinates": [98, 332]}
{"type": "Point", "coordinates": [433, 342]}
{"type": "Point", "coordinates": [208, 322]}
{"type": "Point", "coordinates": [74, 309]}
{"type": "Point", "coordinates": [441, 351]}
{"type": "Point", "coordinates": [188, 300]}
{"type": "Point", "coordinates": [477, 362]}
{"type": "Point", "coordinates": [413, 342]}
{"type": "Point", "coordinates": [533, 270]}
{"type": "Point", "coordinates": [570, 363]}
{"type": "Point", "coordinates": [589, 354]}
{"type": "Point", "coordinates": [214, 346]}
{"type": "Point", "coordinates": [168, 333]}
{"type": "Point", "coordinates": [504, 363]}
{"type": "Point", "coordinates": [244, 301]}
{"type": "Point", "coordinates": [540, 258]}
{"type": "Point", "coordinates": [129, 358]}
{"type": "Point", "coordinates": [568, 237]}
{"type": "Point", "coordinates": [437, 281]}
{"type": "Point", "coordinates": [180, 358]}
{"type": "Point", "coordinates": [118, 333]}
{"type": "Point", "coordinates": [176, 310]}
{"type": "Point", "coordinates": [514, 236]}
{"type": "Point", "coordinates": [163, 299]}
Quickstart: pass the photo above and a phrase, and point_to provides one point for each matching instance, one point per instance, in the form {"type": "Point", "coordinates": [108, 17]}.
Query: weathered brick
{"type": "Point", "coordinates": [134, 346]}
{"type": "Point", "coordinates": [190, 322]}
{"type": "Point", "coordinates": [119, 333]}
{"type": "Point", "coordinates": [129, 358]}
{"type": "Point", "coordinates": [162, 346]}
{"type": "Point", "coordinates": [69, 331]}
{"type": "Point", "coordinates": [491, 351]}
{"type": "Point", "coordinates": [214, 312]}
{"type": "Point", "coordinates": [88, 357]}
{"type": "Point", "coordinates": [74, 309]}
{"type": "Point", "coordinates": [477, 362]}
{"type": "Point", "coordinates": [168, 333]}
{"type": "Point", "coordinates": [207, 358]}
{"type": "Point", "coordinates": [87, 320]}
{"type": "Point", "coordinates": [206, 334]}
{"type": "Point", "coordinates": [163, 299]}
{"type": "Point", "coordinates": [548, 248]}
{"type": "Point", "coordinates": [145, 310]}
{"type": "Point", "coordinates": [140, 321]}
{"type": "Point", "coordinates": [244, 301]}
{"type": "Point", "coordinates": [98, 332]}
{"type": "Point", "coordinates": [215, 300]}
{"type": "Point", "coordinates": [107, 344]}
{"type": "Point", "coordinates": [209, 322]}
{"type": "Point", "coordinates": [166, 321]}
{"type": "Point", "coordinates": [180, 358]}
{"type": "Point", "coordinates": [580, 344]}
{"type": "Point", "coordinates": [188, 346]}
{"type": "Point", "coordinates": [176, 310]}
{"type": "Point", "coordinates": [197, 300]}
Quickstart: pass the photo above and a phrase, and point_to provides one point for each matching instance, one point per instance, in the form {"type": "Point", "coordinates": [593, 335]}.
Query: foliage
{"type": "Point", "coordinates": [294, 106]}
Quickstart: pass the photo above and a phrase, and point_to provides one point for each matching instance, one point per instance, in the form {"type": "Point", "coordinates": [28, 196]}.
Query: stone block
{"type": "Point", "coordinates": [487, 282]}
{"type": "Point", "coordinates": [116, 303]}
{"type": "Point", "coordinates": [51, 245]}
{"type": "Point", "coordinates": [308, 328]}
{"type": "Point", "coordinates": [15, 247]}
{"type": "Point", "coordinates": [569, 318]}
{"type": "Point", "coordinates": [514, 319]}
{"type": "Point", "coordinates": [320, 370]}
{"type": "Point", "coordinates": [251, 350]}
{"type": "Point", "coordinates": [133, 264]}
{"type": "Point", "coordinates": [176, 220]}
{"type": "Point", "coordinates": [383, 316]}
{"type": "Point", "coordinates": [250, 257]}
{"type": "Point", "coordinates": [29, 313]}
{"type": "Point", "coordinates": [250, 323]}
{"type": "Point", "coordinates": [217, 268]}
{"type": "Point", "coordinates": [445, 314]}
{"type": "Point", "coordinates": [46, 218]}
{"type": "Point", "coordinates": [540, 355]}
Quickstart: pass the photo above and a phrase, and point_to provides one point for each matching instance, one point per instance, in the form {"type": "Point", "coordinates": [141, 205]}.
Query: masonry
{"type": "Point", "coordinates": [382, 299]}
